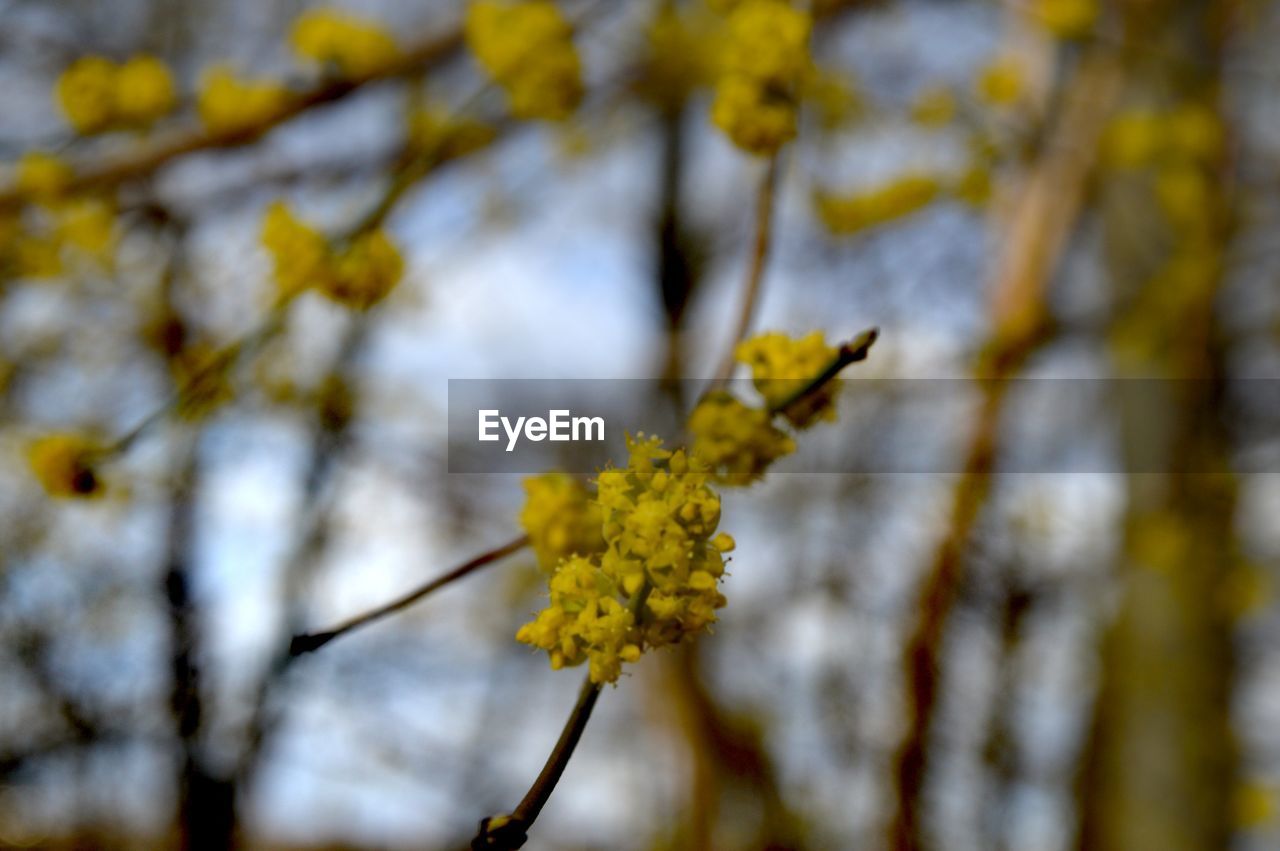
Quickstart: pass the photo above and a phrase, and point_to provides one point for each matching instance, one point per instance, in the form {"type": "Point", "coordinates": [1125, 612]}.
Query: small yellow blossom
{"type": "Point", "coordinates": [439, 136]}
{"type": "Point", "coordinates": [65, 465]}
{"type": "Point", "coordinates": [764, 61]}
{"type": "Point", "coordinates": [847, 214]}
{"type": "Point", "coordinates": [1001, 83]}
{"type": "Point", "coordinates": [364, 272]}
{"type": "Point", "coordinates": [781, 365]}
{"type": "Point", "coordinates": [973, 186]}
{"type": "Point", "coordinates": [86, 93]}
{"type": "Point", "coordinates": [144, 91]}
{"type": "Point", "coordinates": [935, 107]}
{"type": "Point", "coordinates": [1067, 19]}
{"type": "Point", "coordinates": [87, 225]}
{"type": "Point", "coordinates": [527, 48]}
{"type": "Point", "coordinates": [561, 518]}
{"type": "Point", "coordinates": [300, 253]}
{"type": "Point", "coordinates": [1194, 131]}
{"type": "Point", "coordinates": [228, 103]}
{"type": "Point", "coordinates": [1254, 804]}
{"type": "Point", "coordinates": [354, 46]}
{"type": "Point", "coordinates": [43, 176]}
{"type": "Point", "coordinates": [738, 442]}
{"type": "Point", "coordinates": [1132, 139]}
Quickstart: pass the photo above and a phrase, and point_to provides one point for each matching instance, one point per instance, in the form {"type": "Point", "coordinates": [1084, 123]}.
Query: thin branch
{"type": "Point", "coordinates": [505, 833]}
{"type": "Point", "coordinates": [307, 642]}
{"type": "Point", "coordinates": [114, 171]}
{"type": "Point", "coordinates": [755, 268]}
{"type": "Point", "coordinates": [851, 352]}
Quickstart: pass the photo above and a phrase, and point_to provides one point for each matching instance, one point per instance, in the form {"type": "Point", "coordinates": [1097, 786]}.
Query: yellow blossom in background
{"type": "Point", "coordinates": [37, 257]}
{"type": "Point", "coordinates": [781, 365]}
{"type": "Point", "coordinates": [1132, 139]}
{"type": "Point", "coordinates": [228, 103]}
{"type": "Point", "coordinates": [435, 134]}
{"type": "Point", "coordinates": [299, 252]}
{"type": "Point", "coordinates": [738, 442]}
{"type": "Point", "coordinates": [1001, 83]}
{"type": "Point", "coordinates": [86, 93]}
{"type": "Point", "coordinates": [354, 46]}
{"type": "Point", "coordinates": [87, 225]}
{"type": "Point", "coordinates": [1184, 195]}
{"type": "Point", "coordinates": [835, 98]}
{"type": "Point", "coordinates": [859, 211]}
{"type": "Point", "coordinates": [934, 108]}
{"type": "Point", "coordinates": [1254, 805]}
{"type": "Point", "coordinates": [527, 48]}
{"type": "Point", "coordinates": [763, 62]}
{"type": "Point", "coordinates": [679, 56]}
{"type": "Point", "coordinates": [64, 464]}
{"type": "Point", "coordinates": [973, 187]}
{"type": "Point", "coordinates": [42, 176]}
{"type": "Point", "coordinates": [561, 518]}
{"type": "Point", "coordinates": [1194, 131]}
{"type": "Point", "coordinates": [96, 94]}
{"type": "Point", "coordinates": [144, 91]}
{"type": "Point", "coordinates": [1066, 19]}
{"type": "Point", "coordinates": [364, 272]}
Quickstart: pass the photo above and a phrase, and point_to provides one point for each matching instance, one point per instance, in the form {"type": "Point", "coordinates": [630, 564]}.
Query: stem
{"type": "Point", "coordinates": [307, 642]}
{"type": "Point", "coordinates": [511, 832]}
{"type": "Point", "coordinates": [755, 269]}
{"type": "Point", "coordinates": [851, 352]}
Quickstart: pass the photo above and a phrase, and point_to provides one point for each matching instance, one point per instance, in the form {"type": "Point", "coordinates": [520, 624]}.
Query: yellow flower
{"type": "Point", "coordinates": [1132, 139]}
{"type": "Point", "coordinates": [738, 442]}
{"type": "Point", "coordinates": [64, 464]}
{"type": "Point", "coordinates": [300, 253]}
{"type": "Point", "coordinates": [935, 107]}
{"type": "Point", "coordinates": [1067, 18]}
{"type": "Point", "coordinates": [1000, 83]}
{"type": "Point", "coordinates": [561, 518]}
{"type": "Point", "coordinates": [527, 48]}
{"type": "Point", "coordinates": [144, 91]}
{"type": "Point", "coordinates": [973, 186]}
{"type": "Point", "coordinates": [780, 366]}
{"type": "Point", "coordinates": [86, 93]}
{"type": "Point", "coordinates": [439, 136]}
{"type": "Point", "coordinates": [364, 272]}
{"type": "Point", "coordinates": [867, 209]}
{"type": "Point", "coordinates": [354, 46]}
{"type": "Point", "coordinates": [42, 176]}
{"type": "Point", "coordinates": [89, 226]}
{"type": "Point", "coordinates": [764, 60]}
{"type": "Point", "coordinates": [228, 103]}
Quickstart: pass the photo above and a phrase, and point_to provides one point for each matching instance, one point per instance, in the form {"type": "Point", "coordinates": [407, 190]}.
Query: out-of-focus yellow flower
{"type": "Point", "coordinates": [738, 442]}
{"type": "Point", "coordinates": [144, 91]}
{"type": "Point", "coordinates": [354, 46]}
{"type": "Point", "coordinates": [88, 225]}
{"type": "Point", "coordinates": [97, 95]}
{"type": "Point", "coordinates": [86, 93]}
{"type": "Point", "coordinates": [680, 54]}
{"type": "Point", "coordinates": [527, 48]}
{"type": "Point", "coordinates": [1132, 139]}
{"type": "Point", "coordinates": [764, 60]}
{"type": "Point", "coordinates": [935, 107]}
{"type": "Point", "coordinates": [561, 518]}
{"type": "Point", "coordinates": [973, 186]}
{"type": "Point", "coordinates": [859, 211]}
{"type": "Point", "coordinates": [300, 253]}
{"type": "Point", "coordinates": [1185, 195]}
{"type": "Point", "coordinates": [835, 98]}
{"type": "Point", "coordinates": [1001, 82]}
{"type": "Point", "coordinates": [1194, 131]}
{"type": "Point", "coordinates": [437, 135]}
{"type": "Point", "coordinates": [365, 272]}
{"type": "Point", "coordinates": [1254, 804]}
{"type": "Point", "coordinates": [65, 465]}
{"type": "Point", "coordinates": [781, 365]}
{"type": "Point", "coordinates": [228, 103]}
{"type": "Point", "coordinates": [37, 257]}
{"type": "Point", "coordinates": [1066, 19]}
{"type": "Point", "coordinates": [42, 176]}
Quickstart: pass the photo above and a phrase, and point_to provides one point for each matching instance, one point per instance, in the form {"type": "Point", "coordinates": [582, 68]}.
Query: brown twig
{"type": "Point", "coordinates": [307, 642]}
{"type": "Point", "coordinates": [755, 268]}
{"type": "Point", "coordinates": [853, 351]}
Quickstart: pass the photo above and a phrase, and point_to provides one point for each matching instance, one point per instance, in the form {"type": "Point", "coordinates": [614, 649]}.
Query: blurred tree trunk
{"type": "Point", "coordinates": [1159, 769]}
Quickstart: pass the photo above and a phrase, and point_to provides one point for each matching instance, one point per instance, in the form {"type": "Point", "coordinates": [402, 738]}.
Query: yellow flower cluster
{"type": "Point", "coordinates": [1138, 138]}
{"type": "Point", "coordinates": [737, 441]}
{"type": "Point", "coordinates": [527, 48]}
{"type": "Point", "coordinates": [64, 464]}
{"type": "Point", "coordinates": [228, 103]}
{"type": "Point", "coordinates": [439, 136]}
{"type": "Point", "coordinates": [96, 94]}
{"type": "Point", "coordinates": [860, 211]}
{"type": "Point", "coordinates": [561, 518]}
{"type": "Point", "coordinates": [353, 46]}
{"type": "Point", "coordinates": [1001, 82]}
{"type": "Point", "coordinates": [934, 108]}
{"type": "Point", "coordinates": [358, 274]}
{"type": "Point", "coordinates": [1066, 19]}
{"type": "Point", "coordinates": [656, 582]}
{"type": "Point", "coordinates": [764, 59]}
{"type": "Point", "coordinates": [781, 365]}
{"type": "Point", "coordinates": [39, 238]}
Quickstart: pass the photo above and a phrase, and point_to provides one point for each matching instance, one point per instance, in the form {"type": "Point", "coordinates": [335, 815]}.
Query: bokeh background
{"type": "Point", "coordinates": [989, 655]}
